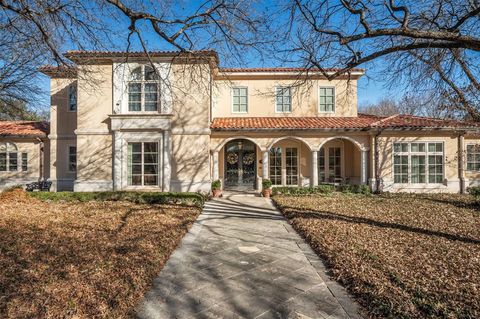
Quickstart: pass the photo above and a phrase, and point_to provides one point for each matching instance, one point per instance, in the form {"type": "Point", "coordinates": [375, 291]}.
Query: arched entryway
{"type": "Point", "coordinates": [240, 169]}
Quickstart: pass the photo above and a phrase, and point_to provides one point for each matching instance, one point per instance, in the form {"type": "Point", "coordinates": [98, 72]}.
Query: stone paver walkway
{"type": "Point", "coordinates": [241, 259]}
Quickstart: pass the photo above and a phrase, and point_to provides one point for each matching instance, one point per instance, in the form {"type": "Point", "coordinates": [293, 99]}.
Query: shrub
{"type": "Point", "coordinates": [135, 197]}
{"type": "Point", "coordinates": [266, 183]}
{"type": "Point", "coordinates": [216, 185]}
{"type": "Point", "coordinates": [321, 189]}
{"type": "Point", "coordinates": [474, 191]}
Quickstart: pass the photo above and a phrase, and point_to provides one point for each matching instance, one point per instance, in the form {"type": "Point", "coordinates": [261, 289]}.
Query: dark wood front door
{"type": "Point", "coordinates": [240, 165]}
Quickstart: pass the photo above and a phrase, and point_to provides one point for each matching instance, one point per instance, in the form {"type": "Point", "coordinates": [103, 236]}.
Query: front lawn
{"type": "Point", "coordinates": [401, 255]}
{"type": "Point", "coordinates": [82, 259]}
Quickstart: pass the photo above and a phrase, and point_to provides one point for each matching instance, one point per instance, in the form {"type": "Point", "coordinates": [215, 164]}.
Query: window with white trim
{"type": "Point", "coordinates": [24, 162]}
{"type": "Point", "coordinates": [72, 97]}
{"type": "Point", "coordinates": [326, 99]}
{"type": "Point", "coordinates": [473, 157]}
{"type": "Point", "coordinates": [321, 165]}
{"type": "Point", "coordinates": [143, 164]}
{"type": "Point", "coordinates": [276, 165]}
{"type": "Point", "coordinates": [418, 163]}
{"type": "Point", "coordinates": [72, 158]}
{"type": "Point", "coordinates": [283, 99]}
{"type": "Point", "coordinates": [143, 90]}
{"type": "Point", "coordinates": [335, 162]}
{"type": "Point", "coordinates": [8, 157]}
{"type": "Point", "coordinates": [291, 165]}
{"type": "Point", "coordinates": [239, 100]}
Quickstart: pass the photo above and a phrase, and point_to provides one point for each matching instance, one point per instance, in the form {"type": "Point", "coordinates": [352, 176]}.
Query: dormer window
{"type": "Point", "coordinates": [143, 90]}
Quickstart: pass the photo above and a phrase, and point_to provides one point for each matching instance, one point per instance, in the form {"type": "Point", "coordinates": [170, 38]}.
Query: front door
{"type": "Point", "coordinates": [240, 165]}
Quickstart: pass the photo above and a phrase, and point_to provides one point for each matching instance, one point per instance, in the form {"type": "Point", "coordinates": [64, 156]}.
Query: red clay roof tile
{"type": "Point", "coordinates": [362, 121]}
{"type": "Point", "coordinates": [24, 128]}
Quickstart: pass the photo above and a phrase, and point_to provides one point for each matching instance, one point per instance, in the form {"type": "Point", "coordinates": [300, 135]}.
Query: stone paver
{"type": "Point", "coordinates": [241, 259]}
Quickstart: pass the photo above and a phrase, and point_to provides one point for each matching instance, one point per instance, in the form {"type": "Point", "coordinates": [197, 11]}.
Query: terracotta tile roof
{"type": "Point", "coordinates": [306, 70]}
{"type": "Point", "coordinates": [79, 54]}
{"type": "Point", "coordinates": [59, 71]}
{"type": "Point", "coordinates": [362, 122]}
{"type": "Point", "coordinates": [24, 128]}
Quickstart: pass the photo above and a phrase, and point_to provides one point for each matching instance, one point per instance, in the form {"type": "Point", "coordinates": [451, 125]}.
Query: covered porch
{"type": "Point", "coordinates": [242, 162]}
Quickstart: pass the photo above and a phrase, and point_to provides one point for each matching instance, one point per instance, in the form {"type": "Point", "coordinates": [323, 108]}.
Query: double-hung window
{"type": "Point", "coordinates": [418, 163]}
{"type": "Point", "coordinates": [239, 100]}
{"type": "Point", "coordinates": [8, 157]}
{"type": "Point", "coordinates": [24, 162]}
{"type": "Point", "coordinates": [143, 164]}
{"type": "Point", "coordinates": [326, 100]}
{"type": "Point", "coordinates": [473, 157]}
{"type": "Point", "coordinates": [283, 99]}
{"type": "Point", "coordinates": [143, 90]}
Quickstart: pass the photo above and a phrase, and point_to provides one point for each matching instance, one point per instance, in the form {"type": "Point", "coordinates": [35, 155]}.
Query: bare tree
{"type": "Point", "coordinates": [429, 45]}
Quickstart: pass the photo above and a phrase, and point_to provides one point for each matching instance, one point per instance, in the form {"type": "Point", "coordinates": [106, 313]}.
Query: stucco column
{"type": "Point", "coordinates": [264, 164]}
{"type": "Point", "coordinates": [314, 177]}
{"type": "Point", "coordinates": [215, 168]}
{"type": "Point", "coordinates": [363, 167]}
{"type": "Point", "coordinates": [167, 160]}
{"type": "Point", "coordinates": [461, 163]}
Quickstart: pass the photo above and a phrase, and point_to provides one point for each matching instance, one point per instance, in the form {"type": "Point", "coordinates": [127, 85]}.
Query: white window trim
{"type": "Point", "coordinates": [297, 147]}
{"type": "Point", "coordinates": [68, 158]}
{"type": "Point", "coordinates": [231, 99]}
{"type": "Point", "coordinates": [281, 164]}
{"type": "Point", "coordinates": [7, 166]}
{"type": "Point", "coordinates": [426, 153]}
{"type": "Point", "coordinates": [21, 160]}
{"type": "Point", "coordinates": [159, 163]}
{"type": "Point", "coordinates": [275, 94]}
{"type": "Point", "coordinates": [142, 94]}
{"type": "Point", "coordinates": [334, 99]}
{"type": "Point", "coordinates": [466, 156]}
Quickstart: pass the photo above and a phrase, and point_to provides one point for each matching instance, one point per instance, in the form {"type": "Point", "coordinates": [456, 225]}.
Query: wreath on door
{"type": "Point", "coordinates": [248, 159]}
{"type": "Point", "coordinates": [232, 158]}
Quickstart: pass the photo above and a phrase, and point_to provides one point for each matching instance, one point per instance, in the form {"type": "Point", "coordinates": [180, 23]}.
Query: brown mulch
{"type": "Point", "coordinates": [401, 255]}
{"type": "Point", "coordinates": [82, 260]}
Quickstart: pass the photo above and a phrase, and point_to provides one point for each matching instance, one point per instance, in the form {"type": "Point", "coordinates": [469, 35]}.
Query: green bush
{"type": "Point", "coordinates": [322, 189]}
{"type": "Point", "coordinates": [474, 190]}
{"type": "Point", "coordinates": [266, 183]}
{"type": "Point", "coordinates": [217, 184]}
{"type": "Point", "coordinates": [135, 197]}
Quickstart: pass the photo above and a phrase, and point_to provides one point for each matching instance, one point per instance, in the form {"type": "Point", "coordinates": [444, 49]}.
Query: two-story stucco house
{"type": "Point", "coordinates": [168, 121]}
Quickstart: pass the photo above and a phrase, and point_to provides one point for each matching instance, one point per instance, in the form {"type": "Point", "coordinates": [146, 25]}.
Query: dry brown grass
{"type": "Point", "coordinates": [82, 260]}
{"type": "Point", "coordinates": [403, 256]}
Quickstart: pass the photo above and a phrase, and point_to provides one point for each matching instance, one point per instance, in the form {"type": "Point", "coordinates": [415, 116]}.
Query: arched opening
{"type": "Point", "coordinates": [240, 165]}
{"type": "Point", "coordinates": [289, 162]}
{"type": "Point", "coordinates": [339, 161]}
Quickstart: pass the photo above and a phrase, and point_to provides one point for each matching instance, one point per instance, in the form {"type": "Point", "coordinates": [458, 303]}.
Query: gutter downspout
{"type": "Point", "coordinates": [461, 161]}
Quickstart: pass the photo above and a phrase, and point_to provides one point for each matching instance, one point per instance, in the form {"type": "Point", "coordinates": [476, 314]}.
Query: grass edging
{"type": "Point", "coordinates": [190, 199]}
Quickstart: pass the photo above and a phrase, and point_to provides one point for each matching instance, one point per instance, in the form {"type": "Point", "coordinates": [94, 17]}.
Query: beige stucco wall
{"type": "Point", "coordinates": [261, 97]}
{"type": "Point", "coordinates": [19, 177]}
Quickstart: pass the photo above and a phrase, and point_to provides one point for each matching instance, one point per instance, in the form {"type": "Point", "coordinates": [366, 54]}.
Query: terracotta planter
{"type": "Point", "coordinates": [267, 192]}
{"type": "Point", "coordinates": [217, 192]}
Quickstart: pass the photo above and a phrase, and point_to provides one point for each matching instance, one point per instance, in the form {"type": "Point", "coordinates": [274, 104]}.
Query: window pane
{"type": "Point", "coordinates": [291, 165]}
{"type": "Point", "coordinates": [3, 162]}
{"type": "Point", "coordinates": [12, 162]}
{"type": "Point", "coordinates": [72, 98]}
{"type": "Point", "coordinates": [151, 180]}
{"type": "Point", "coordinates": [24, 162]}
{"type": "Point", "coordinates": [150, 74]}
{"type": "Point", "coordinates": [136, 74]}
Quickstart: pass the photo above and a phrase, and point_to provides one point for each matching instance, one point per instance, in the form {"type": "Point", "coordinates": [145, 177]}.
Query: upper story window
{"type": "Point", "coordinates": [326, 100]}
{"type": "Point", "coordinates": [283, 98]}
{"type": "Point", "coordinates": [72, 97]}
{"type": "Point", "coordinates": [143, 90]}
{"type": "Point", "coordinates": [239, 100]}
{"type": "Point", "coordinates": [8, 157]}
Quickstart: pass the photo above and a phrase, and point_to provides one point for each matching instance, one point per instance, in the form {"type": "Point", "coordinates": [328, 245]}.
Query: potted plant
{"type": "Point", "coordinates": [217, 188]}
{"type": "Point", "coordinates": [266, 188]}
